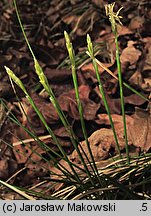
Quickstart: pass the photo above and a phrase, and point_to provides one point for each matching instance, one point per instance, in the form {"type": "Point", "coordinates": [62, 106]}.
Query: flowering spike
{"type": "Point", "coordinates": [113, 17]}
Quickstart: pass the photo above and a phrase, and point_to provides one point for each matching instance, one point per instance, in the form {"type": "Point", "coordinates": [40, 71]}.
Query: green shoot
{"type": "Point", "coordinates": [79, 104]}
{"type": "Point", "coordinates": [90, 52]}
{"type": "Point", "coordinates": [114, 18]}
{"type": "Point", "coordinates": [20, 84]}
{"type": "Point", "coordinates": [52, 97]}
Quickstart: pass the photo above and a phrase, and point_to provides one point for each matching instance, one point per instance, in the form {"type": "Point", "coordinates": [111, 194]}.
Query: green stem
{"type": "Point", "coordinates": [90, 52]}
{"type": "Point", "coordinates": [80, 108]}
{"type": "Point", "coordinates": [62, 116]}
{"type": "Point", "coordinates": [23, 31]}
{"type": "Point", "coordinates": [106, 105]}
{"type": "Point", "coordinates": [53, 136]}
{"type": "Point", "coordinates": [55, 103]}
{"type": "Point", "coordinates": [121, 95]}
{"type": "Point", "coordinates": [125, 84]}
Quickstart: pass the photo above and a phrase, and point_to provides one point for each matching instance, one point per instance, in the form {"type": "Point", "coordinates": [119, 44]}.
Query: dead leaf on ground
{"type": "Point", "coordinates": [123, 30]}
{"type": "Point", "coordinates": [136, 23]}
{"type": "Point", "coordinates": [115, 104]}
{"type": "Point", "coordinates": [3, 168]}
{"type": "Point", "coordinates": [56, 75]}
{"type": "Point", "coordinates": [130, 54]}
{"type": "Point", "coordinates": [46, 108]}
{"type": "Point", "coordinates": [102, 146]}
{"type": "Point", "coordinates": [8, 166]}
{"type": "Point", "coordinates": [68, 103]}
{"type": "Point", "coordinates": [140, 129]}
{"type": "Point", "coordinates": [117, 120]}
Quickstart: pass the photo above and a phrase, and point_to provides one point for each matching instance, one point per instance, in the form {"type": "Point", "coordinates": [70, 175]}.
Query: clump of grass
{"type": "Point", "coordinates": [124, 181]}
{"type": "Point", "coordinates": [64, 155]}
{"type": "Point", "coordinates": [79, 104]}
{"type": "Point", "coordinates": [45, 84]}
{"type": "Point", "coordinates": [53, 100]}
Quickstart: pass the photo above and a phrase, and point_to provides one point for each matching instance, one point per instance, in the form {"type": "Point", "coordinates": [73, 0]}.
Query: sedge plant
{"type": "Point", "coordinates": [114, 18]}
{"type": "Point", "coordinates": [20, 84]}
{"type": "Point", "coordinates": [45, 84]}
{"type": "Point", "coordinates": [90, 52]}
{"type": "Point", "coordinates": [79, 104]}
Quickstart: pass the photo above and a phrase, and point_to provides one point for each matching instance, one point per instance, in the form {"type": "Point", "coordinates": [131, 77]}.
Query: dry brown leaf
{"type": "Point", "coordinates": [136, 79]}
{"type": "Point", "coordinates": [46, 108]}
{"type": "Point", "coordinates": [68, 103]}
{"type": "Point", "coordinates": [147, 63]}
{"type": "Point", "coordinates": [140, 129]}
{"type": "Point", "coordinates": [102, 145]}
{"type": "Point", "coordinates": [130, 54]}
{"type": "Point", "coordinates": [22, 153]}
{"type": "Point", "coordinates": [56, 75]}
{"type": "Point", "coordinates": [91, 67]}
{"type": "Point", "coordinates": [117, 120]}
{"type": "Point", "coordinates": [7, 167]}
{"type": "Point", "coordinates": [3, 168]}
{"type": "Point", "coordinates": [136, 23]}
{"type": "Point", "coordinates": [102, 141]}
{"type": "Point", "coordinates": [123, 30]}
